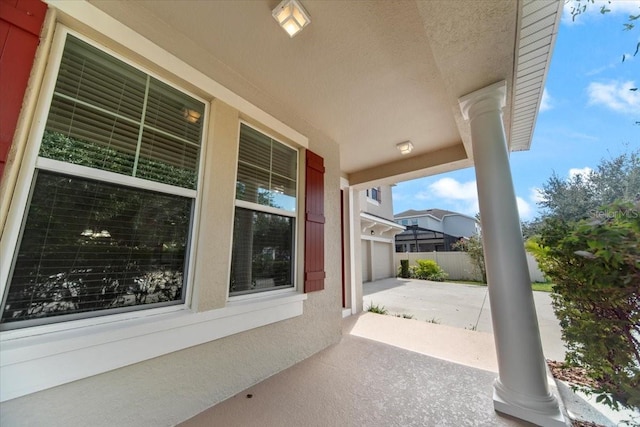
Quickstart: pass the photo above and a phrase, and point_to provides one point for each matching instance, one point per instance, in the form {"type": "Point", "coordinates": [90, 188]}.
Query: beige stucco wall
{"type": "Point", "coordinates": [384, 208]}
{"type": "Point", "coordinates": [174, 387]}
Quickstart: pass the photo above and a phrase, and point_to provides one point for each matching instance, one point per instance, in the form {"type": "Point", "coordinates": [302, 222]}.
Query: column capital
{"type": "Point", "coordinates": [488, 98]}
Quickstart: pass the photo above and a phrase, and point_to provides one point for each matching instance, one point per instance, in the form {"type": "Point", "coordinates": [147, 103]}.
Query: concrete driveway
{"type": "Point", "coordinates": [458, 305]}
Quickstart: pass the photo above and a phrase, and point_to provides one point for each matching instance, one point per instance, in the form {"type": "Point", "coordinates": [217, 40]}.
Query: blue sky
{"type": "Point", "coordinates": [587, 113]}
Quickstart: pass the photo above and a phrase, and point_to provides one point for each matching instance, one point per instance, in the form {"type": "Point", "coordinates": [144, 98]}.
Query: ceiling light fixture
{"type": "Point", "coordinates": [405, 147]}
{"type": "Point", "coordinates": [191, 116]}
{"type": "Point", "coordinates": [291, 16]}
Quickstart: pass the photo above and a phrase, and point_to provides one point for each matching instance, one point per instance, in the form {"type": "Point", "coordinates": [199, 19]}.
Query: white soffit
{"type": "Point", "coordinates": [536, 38]}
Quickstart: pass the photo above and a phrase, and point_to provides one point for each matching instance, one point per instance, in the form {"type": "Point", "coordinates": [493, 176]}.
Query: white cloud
{"type": "Point", "coordinates": [616, 96]}
{"type": "Point", "coordinates": [578, 135]}
{"type": "Point", "coordinates": [584, 172]}
{"type": "Point", "coordinates": [464, 196]}
{"type": "Point", "coordinates": [547, 102]}
{"type": "Point", "coordinates": [524, 209]}
{"type": "Point", "coordinates": [536, 195]}
{"type": "Point", "coordinates": [451, 194]}
{"type": "Point", "coordinates": [615, 7]}
{"type": "Point", "coordinates": [452, 189]}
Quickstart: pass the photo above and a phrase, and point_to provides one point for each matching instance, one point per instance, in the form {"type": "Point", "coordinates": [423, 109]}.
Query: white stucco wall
{"type": "Point", "coordinates": [171, 388]}
{"type": "Point", "coordinates": [430, 223]}
{"type": "Point", "coordinates": [377, 256]}
{"type": "Point", "coordinates": [366, 260]}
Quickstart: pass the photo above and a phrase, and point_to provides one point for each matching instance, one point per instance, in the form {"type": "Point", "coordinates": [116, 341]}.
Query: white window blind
{"type": "Point", "coordinates": [108, 115]}
{"type": "Point", "coordinates": [264, 228]}
{"type": "Point", "coordinates": [266, 171]}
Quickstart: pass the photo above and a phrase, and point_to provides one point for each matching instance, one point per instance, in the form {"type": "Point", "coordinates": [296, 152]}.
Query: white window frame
{"type": "Point", "coordinates": [33, 162]}
{"type": "Point", "coordinates": [41, 357]}
{"type": "Point", "coordinates": [371, 199]}
{"type": "Point", "coordinates": [271, 210]}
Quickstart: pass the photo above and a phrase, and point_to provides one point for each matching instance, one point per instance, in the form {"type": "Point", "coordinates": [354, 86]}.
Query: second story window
{"type": "Point", "coordinates": [375, 194]}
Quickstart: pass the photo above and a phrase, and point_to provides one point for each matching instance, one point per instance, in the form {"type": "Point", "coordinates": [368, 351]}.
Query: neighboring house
{"type": "Point", "coordinates": [378, 231]}
{"type": "Point", "coordinates": [180, 211]}
{"type": "Point", "coordinates": [433, 230]}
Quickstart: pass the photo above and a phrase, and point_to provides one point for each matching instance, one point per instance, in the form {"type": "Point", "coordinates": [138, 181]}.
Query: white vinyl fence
{"type": "Point", "coordinates": [459, 266]}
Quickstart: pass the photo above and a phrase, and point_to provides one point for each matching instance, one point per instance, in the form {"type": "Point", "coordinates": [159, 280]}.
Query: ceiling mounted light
{"type": "Point", "coordinates": [191, 116]}
{"type": "Point", "coordinates": [405, 147]}
{"type": "Point", "coordinates": [291, 16]}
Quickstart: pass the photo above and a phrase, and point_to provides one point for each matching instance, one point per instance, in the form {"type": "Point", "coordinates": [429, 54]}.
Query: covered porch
{"type": "Point", "coordinates": [384, 371]}
{"type": "Point", "coordinates": [461, 82]}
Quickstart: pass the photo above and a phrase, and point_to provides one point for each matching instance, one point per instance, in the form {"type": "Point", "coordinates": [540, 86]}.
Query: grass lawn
{"type": "Point", "coordinates": [540, 287]}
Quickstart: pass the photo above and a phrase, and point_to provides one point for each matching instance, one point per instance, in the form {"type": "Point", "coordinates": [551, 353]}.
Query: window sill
{"type": "Point", "coordinates": [37, 362]}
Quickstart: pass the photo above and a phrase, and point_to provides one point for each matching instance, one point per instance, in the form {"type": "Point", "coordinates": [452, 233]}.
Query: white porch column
{"type": "Point", "coordinates": [355, 254]}
{"type": "Point", "coordinates": [521, 390]}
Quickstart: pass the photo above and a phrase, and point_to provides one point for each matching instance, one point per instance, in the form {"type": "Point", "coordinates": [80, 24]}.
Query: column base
{"type": "Point", "coordinates": [545, 412]}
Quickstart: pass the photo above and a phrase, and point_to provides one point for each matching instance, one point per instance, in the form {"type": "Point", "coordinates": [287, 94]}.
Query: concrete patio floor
{"type": "Point", "coordinates": [458, 305]}
{"type": "Point", "coordinates": [385, 371]}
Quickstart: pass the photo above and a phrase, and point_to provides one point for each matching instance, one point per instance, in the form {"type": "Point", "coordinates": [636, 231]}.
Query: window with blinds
{"type": "Point", "coordinates": [91, 245]}
{"type": "Point", "coordinates": [265, 215]}
{"type": "Point", "coordinates": [267, 171]}
{"type": "Point", "coordinates": [108, 115]}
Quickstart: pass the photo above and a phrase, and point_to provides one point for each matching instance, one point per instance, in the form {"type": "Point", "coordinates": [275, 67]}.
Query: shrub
{"type": "Point", "coordinates": [428, 269]}
{"type": "Point", "coordinates": [404, 269]}
{"type": "Point", "coordinates": [595, 265]}
{"type": "Point", "coordinates": [473, 247]}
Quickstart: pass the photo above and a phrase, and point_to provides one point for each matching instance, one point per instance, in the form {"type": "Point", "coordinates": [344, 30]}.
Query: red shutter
{"type": "Point", "coordinates": [20, 25]}
{"type": "Point", "coordinates": [314, 224]}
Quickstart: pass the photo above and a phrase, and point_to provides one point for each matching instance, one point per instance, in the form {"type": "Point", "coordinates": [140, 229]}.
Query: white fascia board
{"type": "Point", "coordinates": [540, 22]}
{"type": "Point", "coordinates": [378, 239]}
{"type": "Point", "coordinates": [377, 220]}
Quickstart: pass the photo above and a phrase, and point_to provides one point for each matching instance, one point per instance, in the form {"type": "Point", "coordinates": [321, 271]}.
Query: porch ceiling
{"type": "Point", "coordinates": [368, 74]}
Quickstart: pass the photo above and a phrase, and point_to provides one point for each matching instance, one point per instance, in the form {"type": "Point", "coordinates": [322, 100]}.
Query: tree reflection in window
{"type": "Point", "coordinates": [91, 246]}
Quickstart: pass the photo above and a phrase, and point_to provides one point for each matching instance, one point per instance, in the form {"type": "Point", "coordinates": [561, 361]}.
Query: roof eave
{"type": "Point", "coordinates": [536, 36]}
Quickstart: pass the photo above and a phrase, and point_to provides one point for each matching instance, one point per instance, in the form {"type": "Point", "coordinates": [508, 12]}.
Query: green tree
{"type": "Point", "coordinates": [473, 247]}
{"type": "Point", "coordinates": [581, 196]}
{"type": "Point", "coordinates": [586, 242]}
{"type": "Point", "coordinates": [595, 265]}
